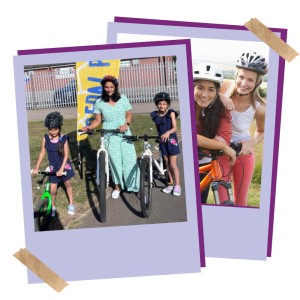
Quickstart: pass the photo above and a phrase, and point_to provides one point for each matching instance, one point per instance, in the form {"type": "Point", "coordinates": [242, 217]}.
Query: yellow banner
{"type": "Point", "coordinates": [89, 75]}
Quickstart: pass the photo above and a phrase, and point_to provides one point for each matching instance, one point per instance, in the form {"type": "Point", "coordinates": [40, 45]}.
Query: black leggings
{"type": "Point", "coordinates": [204, 194]}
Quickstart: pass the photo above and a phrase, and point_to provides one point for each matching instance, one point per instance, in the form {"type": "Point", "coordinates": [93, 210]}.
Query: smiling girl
{"type": "Point", "coordinates": [213, 120]}
{"type": "Point", "coordinates": [248, 107]}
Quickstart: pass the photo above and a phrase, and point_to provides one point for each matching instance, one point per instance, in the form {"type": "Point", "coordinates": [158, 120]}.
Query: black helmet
{"type": "Point", "coordinates": [109, 78]}
{"type": "Point", "coordinates": [253, 62]}
{"type": "Point", "coordinates": [162, 97]}
{"type": "Point", "coordinates": [54, 119]}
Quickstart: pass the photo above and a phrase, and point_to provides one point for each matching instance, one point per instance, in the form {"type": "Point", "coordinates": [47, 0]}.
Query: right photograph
{"type": "Point", "coordinates": [230, 105]}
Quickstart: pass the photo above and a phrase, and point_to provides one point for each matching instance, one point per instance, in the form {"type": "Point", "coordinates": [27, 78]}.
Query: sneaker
{"type": "Point", "coordinates": [177, 191]}
{"type": "Point", "coordinates": [53, 211]}
{"type": "Point", "coordinates": [168, 189]}
{"type": "Point", "coordinates": [71, 209]}
{"type": "Point", "coordinates": [115, 194]}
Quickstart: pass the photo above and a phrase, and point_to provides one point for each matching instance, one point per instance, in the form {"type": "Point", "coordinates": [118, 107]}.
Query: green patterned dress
{"type": "Point", "coordinates": [122, 155]}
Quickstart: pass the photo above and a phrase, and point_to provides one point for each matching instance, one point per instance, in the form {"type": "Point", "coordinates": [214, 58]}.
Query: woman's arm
{"type": "Point", "coordinates": [66, 155]}
{"type": "Point", "coordinates": [223, 89]}
{"type": "Point", "coordinates": [94, 124]}
{"type": "Point", "coordinates": [248, 145]}
{"type": "Point", "coordinates": [124, 127]}
{"type": "Point", "coordinates": [216, 145]}
{"type": "Point", "coordinates": [166, 135]}
{"type": "Point", "coordinates": [228, 103]}
{"type": "Point", "coordinates": [41, 156]}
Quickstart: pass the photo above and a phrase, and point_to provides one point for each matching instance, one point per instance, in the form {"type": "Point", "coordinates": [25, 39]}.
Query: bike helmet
{"type": "Point", "coordinates": [109, 78]}
{"type": "Point", "coordinates": [54, 119]}
{"type": "Point", "coordinates": [210, 72]}
{"type": "Point", "coordinates": [162, 97]}
{"type": "Point", "coordinates": [253, 62]}
{"type": "Point", "coordinates": [206, 71]}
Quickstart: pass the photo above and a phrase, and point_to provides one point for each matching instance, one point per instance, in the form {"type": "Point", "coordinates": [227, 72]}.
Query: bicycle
{"type": "Point", "coordinates": [215, 176]}
{"type": "Point", "coordinates": [43, 210]}
{"type": "Point", "coordinates": [146, 174]}
{"type": "Point", "coordinates": [102, 177]}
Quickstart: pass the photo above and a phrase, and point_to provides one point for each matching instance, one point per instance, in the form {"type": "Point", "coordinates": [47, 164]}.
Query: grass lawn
{"type": "Point", "coordinates": [85, 191]}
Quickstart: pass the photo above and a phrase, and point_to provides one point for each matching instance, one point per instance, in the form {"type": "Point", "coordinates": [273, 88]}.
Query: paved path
{"type": "Point", "coordinates": [126, 210]}
{"type": "Point", "coordinates": [71, 112]}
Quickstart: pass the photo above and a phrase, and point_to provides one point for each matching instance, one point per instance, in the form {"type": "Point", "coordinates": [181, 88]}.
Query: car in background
{"type": "Point", "coordinates": [67, 96]}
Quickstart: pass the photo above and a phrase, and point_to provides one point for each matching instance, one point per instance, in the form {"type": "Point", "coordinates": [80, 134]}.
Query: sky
{"type": "Point", "coordinates": [220, 52]}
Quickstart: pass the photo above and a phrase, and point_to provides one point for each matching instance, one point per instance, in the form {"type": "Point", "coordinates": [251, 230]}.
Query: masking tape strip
{"type": "Point", "coordinates": [271, 39]}
{"type": "Point", "coordinates": [40, 269]}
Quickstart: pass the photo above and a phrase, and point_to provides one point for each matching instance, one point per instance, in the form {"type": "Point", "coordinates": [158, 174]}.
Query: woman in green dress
{"type": "Point", "coordinates": [114, 110]}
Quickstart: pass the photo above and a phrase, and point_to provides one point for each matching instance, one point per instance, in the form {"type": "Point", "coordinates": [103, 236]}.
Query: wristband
{"type": "Point", "coordinates": [127, 123]}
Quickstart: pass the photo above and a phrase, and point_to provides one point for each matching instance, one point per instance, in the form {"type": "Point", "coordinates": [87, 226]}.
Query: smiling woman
{"type": "Point", "coordinates": [114, 110]}
{"type": "Point", "coordinates": [213, 120]}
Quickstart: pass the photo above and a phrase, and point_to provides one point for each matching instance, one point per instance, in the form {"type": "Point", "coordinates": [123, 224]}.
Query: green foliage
{"type": "Point", "coordinates": [262, 92]}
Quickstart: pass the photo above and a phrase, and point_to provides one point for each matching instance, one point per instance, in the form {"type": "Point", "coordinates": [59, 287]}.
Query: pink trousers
{"type": "Point", "coordinates": [240, 182]}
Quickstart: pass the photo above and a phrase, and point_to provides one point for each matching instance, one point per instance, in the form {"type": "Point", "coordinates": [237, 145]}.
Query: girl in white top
{"type": "Point", "coordinates": [248, 106]}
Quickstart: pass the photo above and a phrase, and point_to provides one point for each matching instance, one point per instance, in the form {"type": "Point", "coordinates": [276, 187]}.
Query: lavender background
{"type": "Point", "coordinates": [125, 251]}
{"type": "Point", "coordinates": [231, 232]}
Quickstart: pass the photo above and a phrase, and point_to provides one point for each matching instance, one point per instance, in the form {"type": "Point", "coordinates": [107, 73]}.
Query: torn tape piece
{"type": "Point", "coordinates": [40, 269]}
{"type": "Point", "coordinates": [271, 39]}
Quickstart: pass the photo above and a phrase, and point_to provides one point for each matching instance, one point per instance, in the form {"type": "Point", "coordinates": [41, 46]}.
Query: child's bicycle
{"type": "Point", "coordinates": [215, 176]}
{"type": "Point", "coordinates": [43, 210]}
{"type": "Point", "coordinates": [103, 171]}
{"type": "Point", "coordinates": [146, 174]}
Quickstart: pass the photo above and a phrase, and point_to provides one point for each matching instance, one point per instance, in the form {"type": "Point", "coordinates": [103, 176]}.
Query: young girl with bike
{"type": "Point", "coordinates": [213, 120]}
{"type": "Point", "coordinates": [165, 120]}
{"type": "Point", "coordinates": [57, 148]}
{"type": "Point", "coordinates": [248, 106]}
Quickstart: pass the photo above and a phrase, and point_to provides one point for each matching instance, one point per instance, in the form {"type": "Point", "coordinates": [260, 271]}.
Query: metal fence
{"type": "Point", "coordinates": [57, 88]}
{"type": "Point", "coordinates": [141, 82]}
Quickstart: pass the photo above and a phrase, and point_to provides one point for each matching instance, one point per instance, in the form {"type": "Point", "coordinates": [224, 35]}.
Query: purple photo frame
{"type": "Point", "coordinates": [184, 239]}
{"type": "Point", "coordinates": [230, 32]}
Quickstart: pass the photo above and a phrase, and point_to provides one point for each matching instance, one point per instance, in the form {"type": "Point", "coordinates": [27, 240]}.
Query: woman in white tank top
{"type": "Point", "coordinates": [248, 106]}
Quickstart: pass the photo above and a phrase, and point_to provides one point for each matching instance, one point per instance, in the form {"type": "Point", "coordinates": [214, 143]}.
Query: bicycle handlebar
{"type": "Point", "coordinates": [236, 147]}
{"type": "Point", "coordinates": [90, 131]}
{"type": "Point", "coordinates": [64, 173]}
{"type": "Point", "coordinates": [145, 137]}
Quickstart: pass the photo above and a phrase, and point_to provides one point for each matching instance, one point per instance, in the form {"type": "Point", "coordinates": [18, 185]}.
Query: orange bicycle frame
{"type": "Point", "coordinates": [214, 174]}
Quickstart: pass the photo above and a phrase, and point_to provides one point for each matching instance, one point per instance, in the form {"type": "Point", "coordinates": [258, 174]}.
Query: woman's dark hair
{"type": "Point", "coordinates": [115, 96]}
{"type": "Point", "coordinates": [211, 121]}
{"type": "Point", "coordinates": [60, 146]}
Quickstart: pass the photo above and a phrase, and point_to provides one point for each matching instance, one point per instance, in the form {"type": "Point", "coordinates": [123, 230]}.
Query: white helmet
{"type": "Point", "coordinates": [209, 72]}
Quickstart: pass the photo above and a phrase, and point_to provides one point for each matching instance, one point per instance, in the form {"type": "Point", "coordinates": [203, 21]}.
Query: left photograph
{"type": "Point", "coordinates": [105, 143]}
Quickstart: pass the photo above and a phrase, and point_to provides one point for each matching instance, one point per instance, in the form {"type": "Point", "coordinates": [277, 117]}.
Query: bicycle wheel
{"type": "Point", "coordinates": [145, 188]}
{"type": "Point", "coordinates": [41, 218]}
{"type": "Point", "coordinates": [102, 187]}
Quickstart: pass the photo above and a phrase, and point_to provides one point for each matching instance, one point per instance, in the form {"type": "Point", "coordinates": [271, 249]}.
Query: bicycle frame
{"type": "Point", "coordinates": [47, 194]}
{"type": "Point", "coordinates": [158, 163]}
{"type": "Point", "coordinates": [215, 177]}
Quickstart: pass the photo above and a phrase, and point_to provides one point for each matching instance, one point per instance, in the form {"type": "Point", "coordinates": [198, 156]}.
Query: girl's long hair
{"type": "Point", "coordinates": [255, 96]}
{"type": "Point", "coordinates": [60, 146]}
{"type": "Point", "coordinates": [211, 121]}
{"type": "Point", "coordinates": [115, 96]}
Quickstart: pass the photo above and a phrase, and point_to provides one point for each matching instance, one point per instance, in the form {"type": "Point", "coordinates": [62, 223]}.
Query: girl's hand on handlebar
{"type": "Point", "coordinates": [247, 146]}
{"type": "Point", "coordinates": [59, 173]}
{"type": "Point", "coordinates": [85, 128]}
{"type": "Point", "coordinates": [165, 136]}
{"type": "Point", "coordinates": [231, 155]}
{"type": "Point", "coordinates": [35, 171]}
